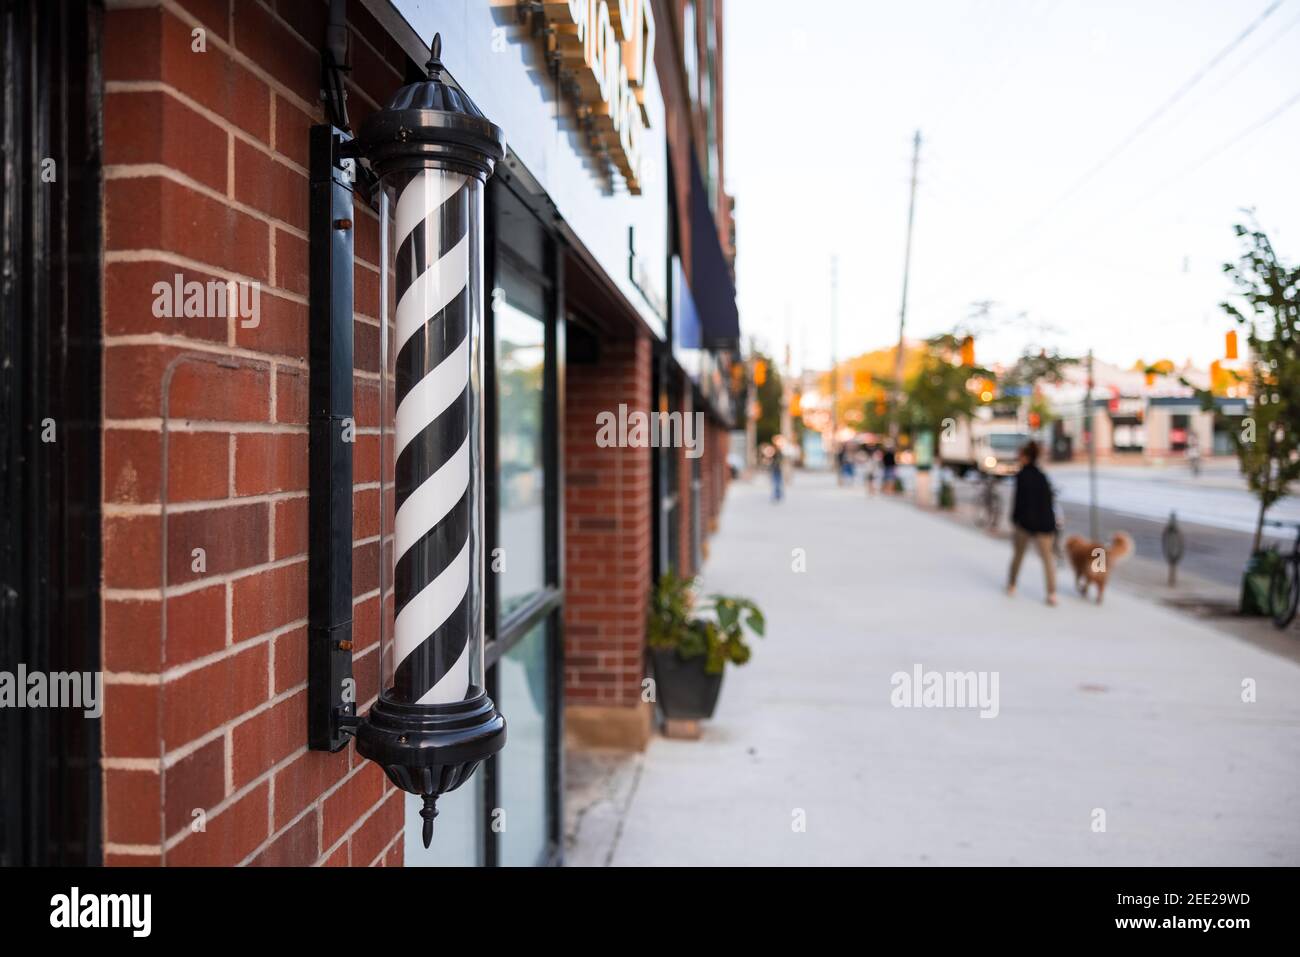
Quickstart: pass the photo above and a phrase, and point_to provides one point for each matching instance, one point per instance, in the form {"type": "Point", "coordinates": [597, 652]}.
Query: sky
{"type": "Point", "coordinates": [1082, 164]}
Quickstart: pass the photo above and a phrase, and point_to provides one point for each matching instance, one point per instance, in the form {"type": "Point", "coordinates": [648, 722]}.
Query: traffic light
{"type": "Point", "coordinates": [1151, 379]}
{"type": "Point", "coordinates": [1230, 344]}
{"type": "Point", "coordinates": [862, 382]}
{"type": "Point", "coordinates": [796, 405]}
{"type": "Point", "coordinates": [760, 371]}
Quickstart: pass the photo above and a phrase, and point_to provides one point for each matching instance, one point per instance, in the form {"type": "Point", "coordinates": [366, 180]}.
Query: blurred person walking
{"type": "Point", "coordinates": [1033, 519]}
{"type": "Point", "coordinates": [888, 470]}
{"type": "Point", "coordinates": [776, 463]}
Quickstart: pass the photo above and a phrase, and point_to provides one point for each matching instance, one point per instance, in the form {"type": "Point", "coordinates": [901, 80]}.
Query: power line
{"type": "Point", "coordinates": [1182, 91]}
{"type": "Point", "coordinates": [1160, 111]}
{"type": "Point", "coordinates": [1170, 181]}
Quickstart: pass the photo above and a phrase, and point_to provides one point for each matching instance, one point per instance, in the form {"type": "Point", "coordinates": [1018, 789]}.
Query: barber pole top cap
{"type": "Point", "coordinates": [432, 124]}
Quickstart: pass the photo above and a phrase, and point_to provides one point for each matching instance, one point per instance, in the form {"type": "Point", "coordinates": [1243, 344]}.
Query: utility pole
{"type": "Point", "coordinates": [835, 362]}
{"type": "Point", "coordinates": [1092, 458]}
{"type": "Point", "coordinates": [902, 312]}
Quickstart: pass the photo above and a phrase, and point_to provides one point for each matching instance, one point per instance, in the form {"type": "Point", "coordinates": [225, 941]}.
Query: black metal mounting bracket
{"type": "Point", "coordinates": [331, 690]}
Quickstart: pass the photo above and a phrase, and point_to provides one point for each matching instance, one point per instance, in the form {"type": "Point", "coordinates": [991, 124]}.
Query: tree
{"type": "Point", "coordinates": [770, 395]}
{"type": "Point", "coordinates": [1266, 304]}
{"type": "Point", "coordinates": [941, 388]}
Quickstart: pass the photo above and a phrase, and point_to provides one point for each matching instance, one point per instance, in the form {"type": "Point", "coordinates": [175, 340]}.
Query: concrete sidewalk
{"type": "Point", "coordinates": [1130, 709]}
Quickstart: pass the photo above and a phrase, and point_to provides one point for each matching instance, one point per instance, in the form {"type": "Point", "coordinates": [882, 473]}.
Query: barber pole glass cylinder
{"type": "Point", "coordinates": [433, 723]}
{"type": "Point", "coordinates": [434, 364]}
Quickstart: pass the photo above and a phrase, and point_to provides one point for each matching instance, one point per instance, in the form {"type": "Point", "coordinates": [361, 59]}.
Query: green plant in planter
{"type": "Point", "coordinates": [715, 627]}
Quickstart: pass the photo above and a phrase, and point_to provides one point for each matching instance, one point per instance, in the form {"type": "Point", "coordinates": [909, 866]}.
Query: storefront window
{"type": "Point", "coordinates": [525, 794]}
{"type": "Point", "coordinates": [519, 311]}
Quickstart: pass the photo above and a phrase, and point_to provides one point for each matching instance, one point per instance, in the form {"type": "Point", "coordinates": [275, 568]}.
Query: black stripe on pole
{"type": "Point", "coordinates": [427, 348]}
{"type": "Point", "coordinates": [419, 671]}
{"type": "Point", "coordinates": [431, 448]}
{"type": "Point", "coordinates": [429, 557]}
{"type": "Point", "coordinates": [446, 224]}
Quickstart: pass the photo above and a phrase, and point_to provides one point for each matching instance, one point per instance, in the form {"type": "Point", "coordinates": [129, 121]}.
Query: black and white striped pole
{"type": "Point", "coordinates": [433, 722]}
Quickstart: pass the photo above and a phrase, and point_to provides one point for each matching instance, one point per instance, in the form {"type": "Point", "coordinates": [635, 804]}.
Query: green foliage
{"type": "Point", "coordinates": [769, 403]}
{"type": "Point", "coordinates": [715, 628]}
{"type": "Point", "coordinates": [1267, 306]}
{"type": "Point", "coordinates": [940, 389]}
{"type": "Point", "coordinates": [1033, 368]}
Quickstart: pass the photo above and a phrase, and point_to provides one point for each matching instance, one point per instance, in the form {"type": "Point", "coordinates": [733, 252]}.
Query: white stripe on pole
{"type": "Point", "coordinates": [421, 196]}
{"type": "Point", "coordinates": [431, 396]}
{"type": "Point", "coordinates": [431, 291]}
{"type": "Point", "coordinates": [429, 504]}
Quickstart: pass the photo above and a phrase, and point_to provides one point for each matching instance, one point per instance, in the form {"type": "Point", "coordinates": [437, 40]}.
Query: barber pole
{"type": "Point", "coordinates": [437, 442]}
{"type": "Point", "coordinates": [433, 723]}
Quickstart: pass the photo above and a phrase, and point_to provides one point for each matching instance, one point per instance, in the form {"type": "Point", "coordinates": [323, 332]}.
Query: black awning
{"type": "Point", "coordinates": [711, 286]}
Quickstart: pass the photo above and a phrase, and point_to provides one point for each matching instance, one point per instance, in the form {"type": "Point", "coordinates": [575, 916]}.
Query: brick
{"type": "Point", "coordinates": [132, 807]}
{"type": "Point", "coordinates": [267, 738]}
{"type": "Point", "coordinates": [365, 623]}
{"type": "Point", "coordinates": [365, 235]}
{"type": "Point", "coordinates": [154, 44]}
{"type": "Point", "coordinates": [298, 846]}
{"type": "Point", "coordinates": [290, 396]}
{"type": "Point", "coordinates": [378, 831]}
{"type": "Point", "coordinates": [365, 568]}
{"type": "Point", "coordinates": [221, 391]}
{"type": "Point", "coordinates": [365, 403]}
{"type": "Point", "coordinates": [278, 49]}
{"type": "Point", "coordinates": [291, 527]}
{"type": "Point", "coordinates": [365, 513]}
{"type": "Point", "coordinates": [132, 635]}
{"type": "Point", "coordinates": [269, 599]}
{"type": "Point", "coordinates": [365, 671]}
{"type": "Point", "coordinates": [150, 126]}
{"type": "Point", "coordinates": [198, 466]}
{"type": "Point", "coordinates": [292, 125]}
{"type": "Point", "coordinates": [292, 263]}
{"type": "Point", "coordinates": [131, 465]}
{"type": "Point", "coordinates": [230, 837]}
{"type": "Point", "coordinates": [196, 624]}
{"type": "Point", "coordinates": [213, 14]}
{"type": "Point", "coordinates": [207, 697]}
{"type": "Point", "coordinates": [152, 212]}
{"type": "Point", "coordinates": [270, 462]}
{"type": "Point", "coordinates": [304, 780]}
{"type": "Point", "coordinates": [278, 190]}
{"type": "Point", "coordinates": [365, 342]}
{"type": "Point", "coordinates": [132, 860]}
{"type": "Point", "coordinates": [339, 857]}
{"type": "Point", "coordinates": [132, 296]}
{"type": "Point", "coordinates": [195, 782]}
{"type": "Point", "coordinates": [130, 721]}
{"type": "Point", "coordinates": [365, 296]}
{"type": "Point", "coordinates": [358, 794]}
{"type": "Point", "coordinates": [233, 537]}
{"type": "Point", "coordinates": [290, 660]}
{"type": "Point", "coordinates": [132, 551]}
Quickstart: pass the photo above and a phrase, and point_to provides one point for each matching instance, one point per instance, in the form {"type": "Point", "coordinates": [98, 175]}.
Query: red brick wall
{"type": "Point", "coordinates": [685, 564]}
{"type": "Point", "coordinates": [607, 546]}
{"type": "Point", "coordinates": [205, 445]}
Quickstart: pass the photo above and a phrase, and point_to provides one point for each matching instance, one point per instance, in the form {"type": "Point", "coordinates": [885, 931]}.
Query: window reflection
{"type": "Point", "coordinates": [520, 369]}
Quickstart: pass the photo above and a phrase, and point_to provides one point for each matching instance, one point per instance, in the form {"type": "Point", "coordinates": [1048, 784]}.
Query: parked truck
{"type": "Point", "coordinates": [984, 443]}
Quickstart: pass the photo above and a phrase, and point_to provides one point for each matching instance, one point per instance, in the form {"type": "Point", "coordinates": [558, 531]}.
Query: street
{"type": "Point", "coordinates": [1216, 513]}
{"type": "Point", "coordinates": [1119, 735]}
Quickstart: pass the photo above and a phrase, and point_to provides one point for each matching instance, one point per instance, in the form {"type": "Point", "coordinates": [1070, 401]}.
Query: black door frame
{"type": "Point", "coordinates": [50, 420]}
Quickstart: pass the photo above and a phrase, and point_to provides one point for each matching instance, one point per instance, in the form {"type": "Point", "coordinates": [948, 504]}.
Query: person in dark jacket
{"type": "Point", "coordinates": [1033, 520]}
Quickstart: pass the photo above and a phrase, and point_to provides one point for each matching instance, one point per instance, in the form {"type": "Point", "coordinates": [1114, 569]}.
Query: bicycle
{"type": "Point", "coordinates": [988, 507]}
{"type": "Point", "coordinates": [1284, 583]}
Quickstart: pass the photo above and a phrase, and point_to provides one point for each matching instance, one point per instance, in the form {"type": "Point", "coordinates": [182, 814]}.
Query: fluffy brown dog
{"type": "Point", "coordinates": [1092, 560]}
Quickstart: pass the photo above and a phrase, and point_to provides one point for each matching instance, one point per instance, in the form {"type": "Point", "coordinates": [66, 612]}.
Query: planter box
{"type": "Point", "coordinates": [1255, 583]}
{"type": "Point", "coordinates": [684, 690]}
